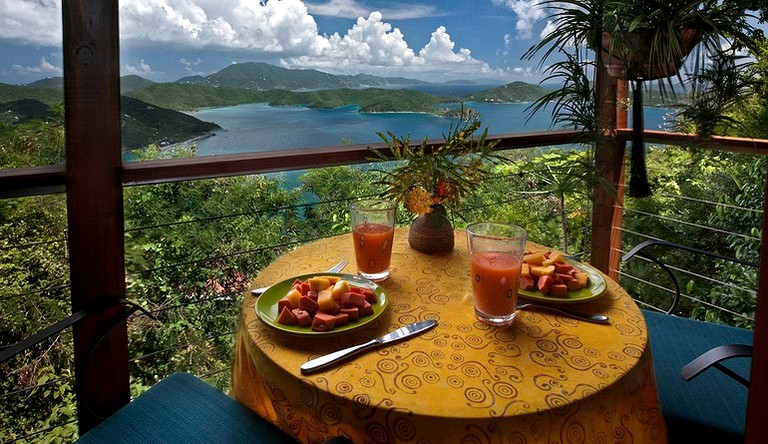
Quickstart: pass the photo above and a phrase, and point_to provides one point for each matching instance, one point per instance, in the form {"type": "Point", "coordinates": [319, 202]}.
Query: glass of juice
{"type": "Point", "coordinates": [373, 230]}
{"type": "Point", "coordinates": [496, 256]}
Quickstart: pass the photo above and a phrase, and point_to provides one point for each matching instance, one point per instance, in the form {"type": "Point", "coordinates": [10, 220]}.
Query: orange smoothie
{"type": "Point", "coordinates": [373, 247]}
{"type": "Point", "coordinates": [495, 279]}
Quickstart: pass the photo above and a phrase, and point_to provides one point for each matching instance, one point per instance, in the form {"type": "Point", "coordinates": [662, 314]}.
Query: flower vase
{"type": "Point", "coordinates": [432, 233]}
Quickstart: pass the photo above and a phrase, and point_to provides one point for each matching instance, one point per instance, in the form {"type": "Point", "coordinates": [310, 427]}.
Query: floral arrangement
{"type": "Point", "coordinates": [426, 177]}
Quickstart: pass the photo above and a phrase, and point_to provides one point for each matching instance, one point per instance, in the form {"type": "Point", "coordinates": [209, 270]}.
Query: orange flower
{"type": "Point", "coordinates": [418, 200]}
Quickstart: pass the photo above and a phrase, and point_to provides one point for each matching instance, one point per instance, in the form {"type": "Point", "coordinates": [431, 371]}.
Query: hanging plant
{"type": "Point", "coordinates": [638, 41]}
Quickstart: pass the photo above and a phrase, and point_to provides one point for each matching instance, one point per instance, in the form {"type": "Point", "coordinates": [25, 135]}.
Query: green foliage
{"type": "Point", "coordinates": [372, 100]}
{"type": "Point", "coordinates": [191, 250]}
{"type": "Point", "coordinates": [34, 142]}
{"type": "Point", "coordinates": [735, 182]}
{"type": "Point", "coordinates": [34, 294]}
{"type": "Point", "coordinates": [557, 184]}
{"type": "Point", "coordinates": [188, 97]}
{"type": "Point", "coordinates": [334, 188]}
{"type": "Point", "coordinates": [422, 176]}
{"type": "Point", "coordinates": [262, 76]}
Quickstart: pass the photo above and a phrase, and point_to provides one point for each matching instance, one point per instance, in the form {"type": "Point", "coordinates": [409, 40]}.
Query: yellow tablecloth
{"type": "Point", "coordinates": [545, 379]}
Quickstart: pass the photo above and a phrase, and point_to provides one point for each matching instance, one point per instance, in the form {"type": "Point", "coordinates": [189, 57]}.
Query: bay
{"type": "Point", "coordinates": [258, 127]}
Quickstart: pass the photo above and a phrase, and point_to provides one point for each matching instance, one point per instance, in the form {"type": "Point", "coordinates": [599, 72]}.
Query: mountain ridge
{"type": "Point", "coordinates": [263, 77]}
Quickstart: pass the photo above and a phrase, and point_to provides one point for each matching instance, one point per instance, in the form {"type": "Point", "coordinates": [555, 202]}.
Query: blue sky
{"type": "Point", "coordinates": [164, 40]}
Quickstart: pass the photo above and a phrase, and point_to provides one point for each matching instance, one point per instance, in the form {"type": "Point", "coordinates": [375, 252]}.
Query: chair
{"type": "Point", "coordinates": [698, 405]}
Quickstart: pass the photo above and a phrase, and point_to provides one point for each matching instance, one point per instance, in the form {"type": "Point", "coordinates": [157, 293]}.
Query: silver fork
{"type": "Point", "coordinates": [335, 269]}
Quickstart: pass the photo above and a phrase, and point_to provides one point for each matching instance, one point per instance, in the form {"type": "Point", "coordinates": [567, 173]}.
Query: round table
{"type": "Point", "coordinates": [545, 379]}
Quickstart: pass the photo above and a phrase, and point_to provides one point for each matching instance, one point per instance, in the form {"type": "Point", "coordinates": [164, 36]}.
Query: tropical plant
{"type": "Point", "coordinates": [640, 40]}
{"type": "Point", "coordinates": [425, 179]}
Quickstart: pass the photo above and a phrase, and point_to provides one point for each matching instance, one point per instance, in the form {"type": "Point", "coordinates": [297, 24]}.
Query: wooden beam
{"type": "Point", "coordinates": [157, 171]}
{"type": "Point", "coordinates": [609, 166]}
{"type": "Point", "coordinates": [32, 181]}
{"type": "Point", "coordinates": [95, 203]}
{"type": "Point", "coordinates": [617, 213]}
{"type": "Point", "coordinates": [757, 400]}
{"type": "Point", "coordinates": [731, 144]}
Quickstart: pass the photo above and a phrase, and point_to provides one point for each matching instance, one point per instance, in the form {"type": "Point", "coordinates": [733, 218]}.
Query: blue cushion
{"type": "Point", "coordinates": [184, 409]}
{"type": "Point", "coordinates": [711, 407]}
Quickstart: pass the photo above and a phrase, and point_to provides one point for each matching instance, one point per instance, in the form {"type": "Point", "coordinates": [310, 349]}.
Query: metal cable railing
{"type": "Point", "coordinates": [690, 224]}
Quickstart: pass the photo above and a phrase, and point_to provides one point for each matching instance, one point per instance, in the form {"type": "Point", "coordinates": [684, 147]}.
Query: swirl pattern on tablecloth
{"type": "Point", "coordinates": [546, 378]}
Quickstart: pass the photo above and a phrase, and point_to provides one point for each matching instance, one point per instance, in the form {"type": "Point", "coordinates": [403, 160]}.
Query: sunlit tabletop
{"type": "Point", "coordinates": [547, 378]}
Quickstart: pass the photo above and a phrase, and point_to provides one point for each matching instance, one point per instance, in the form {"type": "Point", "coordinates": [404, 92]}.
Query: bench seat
{"type": "Point", "coordinates": [184, 409]}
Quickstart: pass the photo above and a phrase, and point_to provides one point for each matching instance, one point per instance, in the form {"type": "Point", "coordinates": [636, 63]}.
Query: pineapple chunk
{"type": "Point", "coordinates": [339, 288]}
{"type": "Point", "coordinates": [318, 283]}
{"type": "Point", "coordinates": [534, 258]}
{"type": "Point", "coordinates": [543, 270]}
{"type": "Point", "coordinates": [293, 297]}
{"type": "Point", "coordinates": [325, 301]}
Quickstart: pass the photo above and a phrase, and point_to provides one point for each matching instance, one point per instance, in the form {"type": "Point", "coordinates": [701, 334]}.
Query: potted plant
{"type": "Point", "coordinates": [637, 40]}
{"type": "Point", "coordinates": [429, 181]}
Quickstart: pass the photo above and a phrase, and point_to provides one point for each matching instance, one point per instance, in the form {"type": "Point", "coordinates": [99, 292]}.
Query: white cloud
{"type": "Point", "coordinates": [548, 28]}
{"type": "Point", "coordinates": [247, 30]}
{"type": "Point", "coordinates": [505, 48]}
{"type": "Point", "coordinates": [35, 22]}
{"type": "Point", "coordinates": [528, 12]}
{"type": "Point", "coordinates": [43, 68]}
{"type": "Point", "coordinates": [142, 69]}
{"type": "Point", "coordinates": [375, 47]}
{"type": "Point", "coordinates": [353, 9]}
{"type": "Point", "coordinates": [189, 65]}
{"type": "Point", "coordinates": [338, 8]}
{"type": "Point", "coordinates": [277, 27]}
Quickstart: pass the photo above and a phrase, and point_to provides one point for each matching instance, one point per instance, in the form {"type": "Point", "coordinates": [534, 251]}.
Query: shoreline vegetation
{"type": "Point", "coordinates": [149, 111]}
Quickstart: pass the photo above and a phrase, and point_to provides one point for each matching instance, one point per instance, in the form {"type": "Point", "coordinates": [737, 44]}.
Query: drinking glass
{"type": "Point", "coordinates": [496, 256]}
{"type": "Point", "coordinates": [373, 230]}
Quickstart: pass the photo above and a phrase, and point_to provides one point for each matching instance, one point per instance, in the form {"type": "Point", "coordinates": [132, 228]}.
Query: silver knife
{"type": "Point", "coordinates": [332, 358]}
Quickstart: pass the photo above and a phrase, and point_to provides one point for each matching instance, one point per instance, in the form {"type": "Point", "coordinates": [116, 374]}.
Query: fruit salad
{"type": "Point", "coordinates": [324, 302]}
{"type": "Point", "coordinates": [550, 274]}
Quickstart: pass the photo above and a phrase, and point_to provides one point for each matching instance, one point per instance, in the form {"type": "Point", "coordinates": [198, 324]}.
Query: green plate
{"type": "Point", "coordinates": [266, 305]}
{"type": "Point", "coordinates": [594, 290]}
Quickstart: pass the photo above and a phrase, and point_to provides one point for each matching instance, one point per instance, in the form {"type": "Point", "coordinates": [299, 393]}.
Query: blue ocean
{"type": "Point", "coordinates": [259, 127]}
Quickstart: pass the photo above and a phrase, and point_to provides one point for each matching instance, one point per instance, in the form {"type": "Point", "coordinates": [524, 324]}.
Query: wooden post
{"type": "Point", "coordinates": [609, 164]}
{"type": "Point", "coordinates": [757, 400]}
{"type": "Point", "coordinates": [95, 202]}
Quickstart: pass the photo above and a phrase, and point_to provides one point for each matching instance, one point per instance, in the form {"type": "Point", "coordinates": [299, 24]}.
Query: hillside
{"type": "Point", "coordinates": [191, 97]}
{"type": "Point", "coordinates": [512, 92]}
{"type": "Point", "coordinates": [25, 110]}
{"type": "Point", "coordinates": [50, 82]}
{"type": "Point", "coordinates": [143, 123]}
{"type": "Point", "coordinates": [262, 76]}
{"type": "Point", "coordinates": [129, 83]}
{"type": "Point", "coordinates": [12, 93]}
{"type": "Point", "coordinates": [372, 100]}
